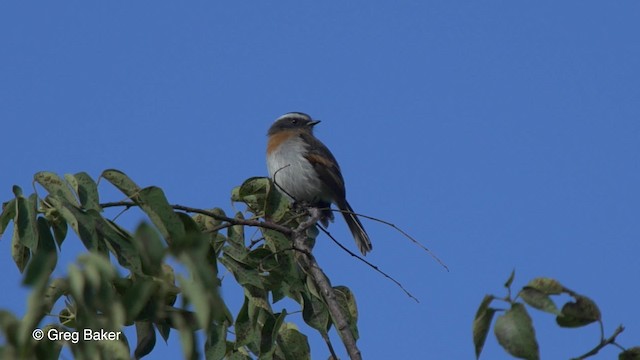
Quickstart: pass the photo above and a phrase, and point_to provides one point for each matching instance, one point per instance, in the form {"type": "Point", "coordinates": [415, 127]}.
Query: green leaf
{"type": "Point", "coordinates": [509, 281]}
{"type": "Point", "coordinates": [253, 193]}
{"type": "Point", "coordinates": [347, 302]}
{"type": "Point", "coordinates": [276, 206]}
{"type": "Point", "coordinates": [9, 325]}
{"type": "Point", "coordinates": [119, 242]}
{"type": "Point", "coordinates": [67, 318]}
{"type": "Point", "coordinates": [315, 313]}
{"type": "Point", "coordinates": [53, 292]}
{"type": "Point", "coordinates": [81, 223]}
{"type": "Point", "coordinates": [515, 333]}
{"type": "Point", "coordinates": [164, 328]}
{"type": "Point", "coordinates": [46, 349]}
{"type": "Point", "coordinates": [138, 296]}
{"type": "Point", "coordinates": [44, 260]}
{"type": "Point", "coordinates": [121, 181]}
{"type": "Point", "coordinates": [154, 203]}
{"type": "Point", "coordinates": [26, 221]}
{"type": "Point", "coordinates": [293, 344]}
{"type": "Point", "coordinates": [244, 274]}
{"type": "Point", "coordinates": [196, 294]}
{"type": "Point", "coordinates": [59, 227]}
{"type": "Point", "coordinates": [630, 354]}
{"type": "Point", "coordinates": [146, 336]}
{"type": "Point", "coordinates": [55, 186]}
{"type": "Point", "coordinates": [150, 249]}
{"type": "Point", "coordinates": [215, 347]}
{"type": "Point", "coordinates": [114, 349]}
{"type": "Point", "coordinates": [87, 191]}
{"type": "Point", "coordinates": [243, 327]}
{"type": "Point", "coordinates": [482, 323]}
{"type": "Point", "coordinates": [8, 214]}
{"type": "Point", "coordinates": [76, 283]}
{"type": "Point", "coordinates": [546, 285]}
{"type": "Point", "coordinates": [19, 252]}
{"type": "Point", "coordinates": [582, 312]}
{"type": "Point", "coordinates": [270, 333]}
{"type": "Point", "coordinates": [538, 300]}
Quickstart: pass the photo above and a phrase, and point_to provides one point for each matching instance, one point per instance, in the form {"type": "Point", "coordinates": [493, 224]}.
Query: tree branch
{"type": "Point", "coordinates": [311, 266]}
{"type": "Point", "coordinates": [233, 221]}
{"type": "Point", "coordinates": [603, 343]}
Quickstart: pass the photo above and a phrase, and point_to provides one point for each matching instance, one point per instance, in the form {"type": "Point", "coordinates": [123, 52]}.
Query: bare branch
{"type": "Point", "coordinates": [603, 343]}
{"type": "Point", "coordinates": [311, 266]}
{"type": "Point", "coordinates": [405, 234]}
{"type": "Point", "coordinates": [233, 221]}
{"type": "Point", "coordinates": [374, 267]}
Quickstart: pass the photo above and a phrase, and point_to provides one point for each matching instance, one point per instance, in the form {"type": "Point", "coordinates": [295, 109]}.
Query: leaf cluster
{"type": "Point", "coordinates": [143, 290]}
{"type": "Point", "coordinates": [514, 328]}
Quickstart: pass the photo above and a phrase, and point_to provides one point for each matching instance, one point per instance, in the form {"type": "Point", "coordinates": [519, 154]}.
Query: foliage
{"type": "Point", "coordinates": [143, 290]}
{"type": "Point", "coordinates": [514, 329]}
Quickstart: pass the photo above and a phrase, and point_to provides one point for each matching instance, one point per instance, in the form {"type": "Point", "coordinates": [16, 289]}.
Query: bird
{"type": "Point", "coordinates": [305, 171]}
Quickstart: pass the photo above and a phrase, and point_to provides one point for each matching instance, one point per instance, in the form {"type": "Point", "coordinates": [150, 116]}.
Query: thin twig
{"type": "Point", "coordinates": [603, 343]}
{"type": "Point", "coordinates": [233, 221]}
{"type": "Point", "coordinates": [374, 267]}
{"type": "Point", "coordinates": [311, 266]}
{"type": "Point", "coordinates": [398, 229]}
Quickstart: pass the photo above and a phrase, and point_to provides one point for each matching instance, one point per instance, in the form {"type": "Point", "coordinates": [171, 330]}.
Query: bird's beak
{"type": "Point", "coordinates": [314, 123]}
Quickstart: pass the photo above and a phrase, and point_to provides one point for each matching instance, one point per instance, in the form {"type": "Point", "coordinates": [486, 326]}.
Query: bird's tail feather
{"type": "Point", "coordinates": [359, 234]}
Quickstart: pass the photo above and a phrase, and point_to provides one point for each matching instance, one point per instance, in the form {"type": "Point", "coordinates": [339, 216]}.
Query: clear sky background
{"type": "Point", "coordinates": [503, 135]}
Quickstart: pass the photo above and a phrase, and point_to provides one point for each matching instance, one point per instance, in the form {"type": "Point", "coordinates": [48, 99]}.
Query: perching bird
{"type": "Point", "coordinates": [304, 169]}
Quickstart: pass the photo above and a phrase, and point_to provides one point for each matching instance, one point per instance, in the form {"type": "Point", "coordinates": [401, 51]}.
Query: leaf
{"type": "Point", "coordinates": [121, 181]}
{"type": "Point", "coordinates": [146, 336]}
{"type": "Point", "coordinates": [54, 291]}
{"type": "Point", "coordinates": [315, 313]}
{"type": "Point", "coordinates": [215, 347]}
{"type": "Point", "coordinates": [138, 296]}
{"type": "Point", "coordinates": [253, 193]}
{"type": "Point", "coordinates": [150, 248]}
{"type": "Point", "coordinates": [44, 260]}
{"type": "Point", "coordinates": [164, 329]}
{"type": "Point", "coordinates": [582, 312]}
{"type": "Point", "coordinates": [243, 327]}
{"type": "Point", "coordinates": [538, 300]}
{"type": "Point", "coordinates": [270, 332]}
{"type": "Point", "coordinates": [347, 302]}
{"type": "Point", "coordinates": [515, 333]}
{"type": "Point", "coordinates": [243, 274]}
{"type": "Point", "coordinates": [630, 354]}
{"type": "Point", "coordinates": [154, 203]}
{"type": "Point", "coordinates": [196, 294]}
{"type": "Point", "coordinates": [507, 284]}
{"type": "Point", "coordinates": [67, 317]}
{"type": "Point", "coordinates": [293, 344]}
{"type": "Point", "coordinates": [26, 221]}
{"type": "Point", "coordinates": [55, 186]}
{"type": "Point", "coordinates": [59, 227]}
{"type": "Point", "coordinates": [119, 242]}
{"type": "Point", "coordinates": [81, 223]}
{"type": "Point", "coordinates": [482, 323]}
{"type": "Point", "coordinates": [46, 349]}
{"type": "Point", "coordinates": [19, 252]}
{"type": "Point", "coordinates": [87, 191]}
{"type": "Point", "coordinates": [276, 206]}
{"type": "Point", "coordinates": [8, 214]}
{"type": "Point", "coordinates": [546, 285]}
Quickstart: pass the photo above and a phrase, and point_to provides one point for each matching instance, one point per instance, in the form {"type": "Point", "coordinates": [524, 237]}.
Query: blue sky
{"type": "Point", "coordinates": [501, 134]}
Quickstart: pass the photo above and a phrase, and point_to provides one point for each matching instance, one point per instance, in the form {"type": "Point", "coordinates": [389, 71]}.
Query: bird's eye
{"type": "Point", "coordinates": [294, 121]}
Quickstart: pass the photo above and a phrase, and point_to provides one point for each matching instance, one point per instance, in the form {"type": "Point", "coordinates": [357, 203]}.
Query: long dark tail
{"type": "Point", "coordinates": [359, 234]}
